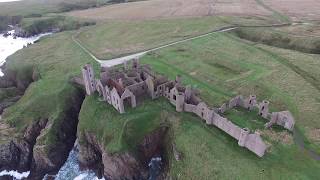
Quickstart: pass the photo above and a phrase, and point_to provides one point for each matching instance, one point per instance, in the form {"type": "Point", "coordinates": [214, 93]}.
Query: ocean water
{"type": "Point", "coordinates": [9, 45]}
{"type": "Point", "coordinates": [8, 0]}
{"type": "Point", "coordinates": [71, 170]}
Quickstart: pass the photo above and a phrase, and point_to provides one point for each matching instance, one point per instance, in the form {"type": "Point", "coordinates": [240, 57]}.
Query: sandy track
{"type": "Point", "coordinates": [153, 9]}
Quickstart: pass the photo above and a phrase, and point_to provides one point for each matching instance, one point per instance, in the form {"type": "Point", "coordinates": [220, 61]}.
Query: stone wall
{"type": "Point", "coordinates": [185, 99]}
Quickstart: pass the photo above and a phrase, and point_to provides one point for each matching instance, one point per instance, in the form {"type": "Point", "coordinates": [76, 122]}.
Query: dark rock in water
{"type": "Point", "coordinates": [6, 178]}
{"type": "Point", "coordinates": [9, 155]}
{"type": "Point", "coordinates": [6, 34]}
{"type": "Point", "coordinates": [112, 166]}
{"type": "Point", "coordinates": [17, 153]}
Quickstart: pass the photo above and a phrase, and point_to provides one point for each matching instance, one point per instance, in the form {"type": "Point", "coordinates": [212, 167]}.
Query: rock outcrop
{"type": "Point", "coordinates": [125, 165]}
{"type": "Point", "coordinates": [17, 153]}
{"type": "Point", "coordinates": [13, 79]}
{"type": "Point", "coordinates": [49, 157]}
{"type": "Point", "coordinates": [31, 148]}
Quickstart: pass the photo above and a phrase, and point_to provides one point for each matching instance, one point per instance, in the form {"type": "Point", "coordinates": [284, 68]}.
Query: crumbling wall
{"type": "Point", "coordinates": [140, 80]}
{"type": "Point", "coordinates": [88, 78]}
{"type": "Point", "coordinates": [116, 101]}
{"type": "Point", "coordinates": [138, 89]}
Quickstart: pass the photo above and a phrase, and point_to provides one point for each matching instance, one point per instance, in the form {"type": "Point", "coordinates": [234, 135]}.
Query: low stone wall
{"type": "Point", "coordinates": [252, 142]}
{"type": "Point", "coordinates": [185, 99]}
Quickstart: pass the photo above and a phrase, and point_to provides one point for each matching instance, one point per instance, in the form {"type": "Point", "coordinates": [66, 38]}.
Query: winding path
{"type": "Point", "coordinates": [120, 60]}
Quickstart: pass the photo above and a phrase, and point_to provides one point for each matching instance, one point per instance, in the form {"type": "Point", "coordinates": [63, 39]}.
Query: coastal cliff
{"type": "Point", "coordinates": [36, 135]}
{"type": "Point", "coordinates": [121, 165]}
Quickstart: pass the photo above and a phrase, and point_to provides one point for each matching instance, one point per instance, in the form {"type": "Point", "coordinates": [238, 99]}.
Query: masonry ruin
{"type": "Point", "coordinates": [124, 87]}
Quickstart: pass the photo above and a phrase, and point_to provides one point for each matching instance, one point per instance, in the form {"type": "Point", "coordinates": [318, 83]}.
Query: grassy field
{"type": "Point", "coordinates": [40, 7]}
{"type": "Point", "coordinates": [276, 14]}
{"type": "Point", "coordinates": [250, 70]}
{"type": "Point", "coordinates": [114, 38]}
{"type": "Point", "coordinates": [221, 66]}
{"type": "Point", "coordinates": [281, 38]}
{"type": "Point", "coordinates": [120, 132]}
{"type": "Point", "coordinates": [57, 59]}
{"type": "Point", "coordinates": [207, 152]}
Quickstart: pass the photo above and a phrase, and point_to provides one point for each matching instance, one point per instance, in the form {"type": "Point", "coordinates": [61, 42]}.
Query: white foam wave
{"type": "Point", "coordinates": [81, 176]}
{"type": "Point", "coordinates": [15, 174]}
{"type": "Point", "coordinates": [9, 45]}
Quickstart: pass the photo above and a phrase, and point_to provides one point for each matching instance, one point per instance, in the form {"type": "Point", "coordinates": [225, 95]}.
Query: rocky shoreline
{"type": "Point", "coordinates": [26, 152]}
{"type": "Point", "coordinates": [126, 165]}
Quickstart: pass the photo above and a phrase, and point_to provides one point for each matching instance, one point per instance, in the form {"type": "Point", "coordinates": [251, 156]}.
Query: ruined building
{"type": "Point", "coordinates": [124, 87]}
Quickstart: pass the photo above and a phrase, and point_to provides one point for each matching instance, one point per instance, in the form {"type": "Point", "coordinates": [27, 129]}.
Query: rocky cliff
{"type": "Point", "coordinates": [122, 165]}
{"type": "Point", "coordinates": [42, 145]}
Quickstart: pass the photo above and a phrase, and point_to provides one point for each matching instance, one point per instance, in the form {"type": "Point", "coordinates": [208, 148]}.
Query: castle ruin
{"type": "Point", "coordinates": [124, 87]}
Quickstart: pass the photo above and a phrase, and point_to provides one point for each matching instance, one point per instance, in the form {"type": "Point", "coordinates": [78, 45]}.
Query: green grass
{"type": "Point", "coordinates": [283, 39]}
{"type": "Point", "coordinates": [38, 25]}
{"type": "Point", "coordinates": [263, 73]}
{"type": "Point", "coordinates": [57, 59]}
{"type": "Point", "coordinates": [121, 132]}
{"type": "Point", "coordinates": [12, 13]}
{"type": "Point", "coordinates": [114, 38]}
{"type": "Point", "coordinates": [8, 93]}
{"type": "Point", "coordinates": [111, 39]}
{"type": "Point", "coordinates": [220, 65]}
{"type": "Point", "coordinates": [277, 15]}
{"type": "Point", "coordinates": [246, 119]}
{"type": "Point", "coordinates": [40, 7]}
{"type": "Point", "coordinates": [209, 153]}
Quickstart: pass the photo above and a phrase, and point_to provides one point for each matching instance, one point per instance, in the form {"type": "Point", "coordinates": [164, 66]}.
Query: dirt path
{"type": "Point", "coordinates": [120, 60]}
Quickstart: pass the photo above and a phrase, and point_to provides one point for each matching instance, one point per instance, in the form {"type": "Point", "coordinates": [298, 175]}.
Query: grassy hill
{"type": "Point", "coordinates": [221, 66]}
{"type": "Point", "coordinates": [281, 38]}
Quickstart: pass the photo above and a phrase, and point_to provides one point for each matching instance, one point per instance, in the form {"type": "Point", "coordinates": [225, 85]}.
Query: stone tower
{"type": "Point", "coordinates": [252, 102]}
{"type": "Point", "coordinates": [88, 79]}
{"type": "Point", "coordinates": [243, 137]}
{"type": "Point", "coordinates": [135, 63]}
{"type": "Point", "coordinates": [180, 103]}
{"type": "Point", "coordinates": [264, 109]}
